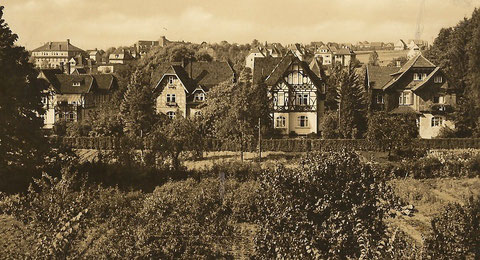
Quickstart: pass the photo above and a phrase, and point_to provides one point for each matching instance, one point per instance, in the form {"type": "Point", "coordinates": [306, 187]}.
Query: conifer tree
{"type": "Point", "coordinates": [21, 142]}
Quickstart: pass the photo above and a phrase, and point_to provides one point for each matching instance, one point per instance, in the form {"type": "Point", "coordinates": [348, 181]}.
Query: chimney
{"type": "Point", "coordinates": [68, 68]}
{"type": "Point", "coordinates": [68, 41]}
{"type": "Point", "coordinates": [398, 63]}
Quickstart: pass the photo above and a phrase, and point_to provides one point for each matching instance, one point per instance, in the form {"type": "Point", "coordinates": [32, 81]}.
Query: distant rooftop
{"type": "Point", "coordinates": [58, 46]}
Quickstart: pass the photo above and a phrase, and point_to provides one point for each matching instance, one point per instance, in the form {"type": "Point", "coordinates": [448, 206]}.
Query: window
{"type": "Point", "coordinates": [302, 99]}
{"type": "Point", "coordinates": [197, 114]}
{"type": "Point", "coordinates": [171, 98]}
{"type": "Point", "coordinates": [280, 122]}
{"type": "Point", "coordinates": [379, 99]}
{"type": "Point", "coordinates": [199, 97]}
{"type": "Point", "coordinates": [60, 115]}
{"type": "Point", "coordinates": [404, 98]}
{"type": "Point", "coordinates": [71, 117]}
{"type": "Point", "coordinates": [76, 84]}
{"type": "Point", "coordinates": [438, 79]}
{"type": "Point", "coordinates": [171, 114]}
{"type": "Point", "coordinates": [417, 76]}
{"type": "Point", "coordinates": [171, 79]}
{"type": "Point", "coordinates": [437, 121]}
{"type": "Point", "coordinates": [438, 99]}
{"type": "Point", "coordinates": [303, 121]}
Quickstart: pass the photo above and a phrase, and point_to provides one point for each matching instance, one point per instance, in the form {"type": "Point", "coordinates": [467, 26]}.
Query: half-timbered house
{"type": "Point", "coordinates": [296, 92]}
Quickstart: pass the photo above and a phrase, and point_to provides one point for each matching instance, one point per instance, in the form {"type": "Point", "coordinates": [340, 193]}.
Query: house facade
{"type": "Point", "coordinates": [332, 55]}
{"type": "Point", "coordinates": [182, 89]}
{"type": "Point", "coordinates": [55, 55]}
{"type": "Point", "coordinates": [420, 88]}
{"type": "Point", "coordinates": [71, 97]}
{"type": "Point", "coordinates": [296, 92]}
{"type": "Point", "coordinates": [254, 53]}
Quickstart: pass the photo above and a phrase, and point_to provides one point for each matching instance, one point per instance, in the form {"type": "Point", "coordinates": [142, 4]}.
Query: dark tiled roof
{"type": "Point", "coordinates": [104, 82]}
{"type": "Point", "coordinates": [183, 77]}
{"type": "Point", "coordinates": [263, 66]}
{"type": "Point", "coordinates": [160, 70]}
{"type": "Point", "coordinates": [417, 62]}
{"type": "Point", "coordinates": [209, 74]}
{"type": "Point", "coordinates": [404, 110]}
{"type": "Point", "coordinates": [343, 51]}
{"type": "Point", "coordinates": [282, 67]}
{"type": "Point", "coordinates": [58, 46]}
{"type": "Point", "coordinates": [315, 66]}
{"type": "Point", "coordinates": [65, 84]}
{"type": "Point", "coordinates": [379, 76]}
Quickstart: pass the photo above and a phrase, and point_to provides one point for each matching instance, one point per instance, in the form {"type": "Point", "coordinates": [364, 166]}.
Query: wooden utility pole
{"type": "Point", "coordinates": [259, 139]}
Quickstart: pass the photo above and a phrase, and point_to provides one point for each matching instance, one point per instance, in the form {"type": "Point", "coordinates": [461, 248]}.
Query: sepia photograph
{"type": "Point", "coordinates": [240, 129]}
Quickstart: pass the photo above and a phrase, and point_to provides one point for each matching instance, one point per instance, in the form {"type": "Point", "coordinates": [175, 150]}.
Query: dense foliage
{"type": "Point", "coordinates": [457, 51]}
{"type": "Point", "coordinates": [455, 233]}
{"type": "Point", "coordinates": [328, 208]}
{"type": "Point", "coordinates": [391, 132]}
{"type": "Point", "coordinates": [22, 146]}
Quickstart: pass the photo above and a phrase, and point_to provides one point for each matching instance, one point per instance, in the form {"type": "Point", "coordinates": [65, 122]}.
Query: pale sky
{"type": "Point", "coordinates": [105, 23]}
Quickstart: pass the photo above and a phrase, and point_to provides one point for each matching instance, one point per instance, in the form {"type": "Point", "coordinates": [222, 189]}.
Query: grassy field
{"type": "Point", "coordinates": [384, 56]}
{"type": "Point", "coordinates": [429, 197]}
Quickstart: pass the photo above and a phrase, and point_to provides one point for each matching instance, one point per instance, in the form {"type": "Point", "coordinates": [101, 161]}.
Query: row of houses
{"type": "Point", "coordinates": [297, 88]}
{"type": "Point", "coordinates": [65, 56]}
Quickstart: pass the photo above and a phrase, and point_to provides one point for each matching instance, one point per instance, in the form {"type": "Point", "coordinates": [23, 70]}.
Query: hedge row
{"type": "Point", "coordinates": [285, 145]}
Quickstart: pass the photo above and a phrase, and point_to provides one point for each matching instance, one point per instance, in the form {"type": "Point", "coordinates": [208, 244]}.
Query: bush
{"type": "Point", "coordinates": [329, 125]}
{"type": "Point", "coordinates": [237, 170]}
{"type": "Point", "coordinates": [328, 208]}
{"type": "Point", "coordinates": [184, 220]}
{"type": "Point", "coordinates": [455, 233]}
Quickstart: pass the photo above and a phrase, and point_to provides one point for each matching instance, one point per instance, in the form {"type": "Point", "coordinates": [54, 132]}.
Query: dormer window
{"type": "Point", "coordinates": [76, 84]}
{"type": "Point", "coordinates": [171, 79]}
{"type": "Point", "coordinates": [199, 97]}
{"type": "Point", "coordinates": [438, 79]}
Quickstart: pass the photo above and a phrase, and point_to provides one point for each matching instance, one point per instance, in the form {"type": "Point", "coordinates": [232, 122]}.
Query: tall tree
{"type": "Point", "coordinates": [21, 141]}
{"type": "Point", "coordinates": [373, 59]}
{"type": "Point", "coordinates": [232, 111]}
{"type": "Point", "coordinates": [137, 108]}
{"type": "Point", "coordinates": [351, 104]}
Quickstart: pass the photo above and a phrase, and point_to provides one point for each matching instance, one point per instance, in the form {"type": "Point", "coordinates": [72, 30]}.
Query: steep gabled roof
{"type": "Point", "coordinates": [284, 64]}
{"type": "Point", "coordinates": [58, 46]}
{"type": "Point", "coordinates": [316, 67]}
{"type": "Point", "coordinates": [256, 50]}
{"type": "Point", "coordinates": [379, 76]}
{"type": "Point", "coordinates": [417, 62]}
{"type": "Point", "coordinates": [263, 66]}
{"type": "Point", "coordinates": [209, 74]}
{"type": "Point", "coordinates": [183, 77]}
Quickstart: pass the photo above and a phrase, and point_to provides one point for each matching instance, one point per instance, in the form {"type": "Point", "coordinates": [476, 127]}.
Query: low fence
{"type": "Point", "coordinates": [285, 145]}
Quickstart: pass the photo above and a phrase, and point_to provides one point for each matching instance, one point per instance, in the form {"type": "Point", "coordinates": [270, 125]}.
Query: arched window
{"type": "Point", "coordinates": [171, 114]}
{"type": "Point", "coordinates": [280, 122]}
{"type": "Point", "coordinates": [303, 121]}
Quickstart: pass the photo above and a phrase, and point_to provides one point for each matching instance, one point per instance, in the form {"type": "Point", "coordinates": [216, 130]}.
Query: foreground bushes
{"type": "Point", "coordinates": [455, 233]}
{"type": "Point", "coordinates": [440, 164]}
{"type": "Point", "coordinates": [329, 208]}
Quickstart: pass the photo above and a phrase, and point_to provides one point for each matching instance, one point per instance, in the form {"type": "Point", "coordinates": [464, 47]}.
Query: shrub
{"type": "Point", "coordinates": [455, 233]}
{"type": "Point", "coordinates": [243, 200]}
{"type": "Point", "coordinates": [237, 170]}
{"type": "Point", "coordinates": [328, 208]}
{"type": "Point", "coordinates": [329, 125]}
{"type": "Point", "coordinates": [184, 220]}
